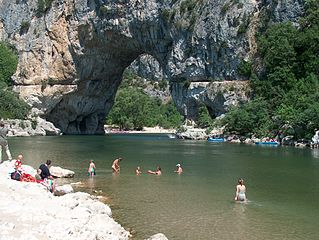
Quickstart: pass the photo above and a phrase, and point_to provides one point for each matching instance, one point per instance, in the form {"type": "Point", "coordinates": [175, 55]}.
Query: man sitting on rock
{"type": "Point", "coordinates": [46, 175]}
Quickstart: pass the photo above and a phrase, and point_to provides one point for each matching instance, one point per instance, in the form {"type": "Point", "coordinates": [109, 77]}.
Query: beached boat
{"type": "Point", "coordinates": [215, 139]}
{"type": "Point", "coordinates": [172, 136]}
{"type": "Point", "coordinates": [274, 143]}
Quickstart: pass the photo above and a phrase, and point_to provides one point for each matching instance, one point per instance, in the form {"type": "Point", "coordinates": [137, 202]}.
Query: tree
{"type": "Point", "coordinates": [204, 119]}
{"type": "Point", "coordinates": [8, 63]}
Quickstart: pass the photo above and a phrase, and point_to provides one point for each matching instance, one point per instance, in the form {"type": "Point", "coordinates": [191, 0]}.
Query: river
{"type": "Point", "coordinates": [282, 184]}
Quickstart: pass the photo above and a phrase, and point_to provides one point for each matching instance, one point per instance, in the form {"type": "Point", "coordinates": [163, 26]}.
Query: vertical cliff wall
{"type": "Point", "coordinates": [72, 53]}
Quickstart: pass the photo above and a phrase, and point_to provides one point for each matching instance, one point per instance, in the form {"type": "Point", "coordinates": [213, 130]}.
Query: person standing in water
{"type": "Point", "coordinates": [240, 195]}
{"type": "Point", "coordinates": [116, 165]}
{"type": "Point", "coordinates": [179, 168]}
{"type": "Point", "coordinates": [4, 142]}
{"type": "Point", "coordinates": [92, 168]}
{"type": "Point", "coordinates": [138, 170]}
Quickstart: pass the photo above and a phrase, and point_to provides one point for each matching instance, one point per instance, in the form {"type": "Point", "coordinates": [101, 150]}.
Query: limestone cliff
{"type": "Point", "coordinates": [72, 53]}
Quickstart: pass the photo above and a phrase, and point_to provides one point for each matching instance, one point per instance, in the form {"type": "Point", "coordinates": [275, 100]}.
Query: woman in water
{"type": "Point", "coordinates": [179, 168]}
{"type": "Point", "coordinates": [241, 191]}
{"type": "Point", "coordinates": [91, 169]}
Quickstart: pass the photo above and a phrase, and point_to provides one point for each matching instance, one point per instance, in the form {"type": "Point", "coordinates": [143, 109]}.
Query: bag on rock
{"type": "Point", "coordinates": [16, 175]}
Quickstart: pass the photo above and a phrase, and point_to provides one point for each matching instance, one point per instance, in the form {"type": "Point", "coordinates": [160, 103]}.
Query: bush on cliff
{"type": "Point", "coordinates": [11, 106]}
{"type": "Point", "coordinates": [8, 63]}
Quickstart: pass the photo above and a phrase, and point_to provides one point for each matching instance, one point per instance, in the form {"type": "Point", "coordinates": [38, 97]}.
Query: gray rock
{"type": "Point", "coordinates": [193, 134]}
{"type": "Point", "coordinates": [62, 190]}
{"type": "Point", "coordinates": [158, 236]}
{"type": "Point", "coordinates": [26, 128]}
{"type": "Point", "coordinates": [60, 172]}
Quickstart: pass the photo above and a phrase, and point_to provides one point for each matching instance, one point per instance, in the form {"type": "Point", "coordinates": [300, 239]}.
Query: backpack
{"type": "Point", "coordinates": [16, 175]}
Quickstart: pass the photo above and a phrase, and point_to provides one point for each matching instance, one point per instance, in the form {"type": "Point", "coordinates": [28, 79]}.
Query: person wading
{"type": "Point", "coordinates": [4, 142]}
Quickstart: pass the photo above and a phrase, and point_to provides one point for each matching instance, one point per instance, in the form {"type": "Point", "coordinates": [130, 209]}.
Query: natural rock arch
{"type": "Point", "coordinates": [73, 53]}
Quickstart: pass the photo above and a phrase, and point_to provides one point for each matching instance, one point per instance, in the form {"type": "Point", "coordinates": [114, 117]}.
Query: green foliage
{"type": "Point", "coordinates": [25, 25]}
{"type": "Point", "coordinates": [12, 107]}
{"type": "Point", "coordinates": [244, 25]}
{"type": "Point", "coordinates": [187, 83]}
{"type": "Point", "coordinates": [166, 15]}
{"type": "Point", "coordinates": [245, 68]}
{"type": "Point", "coordinates": [204, 119]}
{"type": "Point", "coordinates": [276, 46]}
{"type": "Point", "coordinates": [250, 118]}
{"type": "Point", "coordinates": [104, 10]}
{"type": "Point", "coordinates": [162, 84]}
{"type": "Point", "coordinates": [287, 91]}
{"type": "Point", "coordinates": [43, 6]}
{"type": "Point", "coordinates": [34, 124]}
{"type": "Point", "coordinates": [187, 6]}
{"type": "Point", "coordinates": [225, 8]}
{"type": "Point", "coordinates": [133, 109]}
{"type": "Point", "coordinates": [8, 63]}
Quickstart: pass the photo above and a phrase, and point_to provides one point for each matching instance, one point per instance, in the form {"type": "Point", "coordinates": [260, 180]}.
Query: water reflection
{"type": "Point", "coordinates": [315, 152]}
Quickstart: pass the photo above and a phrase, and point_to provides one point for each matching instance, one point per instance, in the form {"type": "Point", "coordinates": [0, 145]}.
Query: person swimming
{"type": "Point", "coordinates": [157, 172]}
{"type": "Point", "coordinates": [240, 191]}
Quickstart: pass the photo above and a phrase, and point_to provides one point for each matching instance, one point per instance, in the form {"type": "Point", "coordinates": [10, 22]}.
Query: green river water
{"type": "Point", "coordinates": [282, 185]}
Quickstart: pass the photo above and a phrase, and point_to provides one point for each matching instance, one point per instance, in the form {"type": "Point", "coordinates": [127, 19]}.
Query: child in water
{"type": "Point", "coordinates": [138, 170]}
{"type": "Point", "coordinates": [91, 169]}
{"type": "Point", "coordinates": [240, 195]}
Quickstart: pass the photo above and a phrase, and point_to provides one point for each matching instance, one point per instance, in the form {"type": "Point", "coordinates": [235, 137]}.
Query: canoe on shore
{"type": "Point", "coordinates": [212, 139]}
{"type": "Point", "coordinates": [268, 143]}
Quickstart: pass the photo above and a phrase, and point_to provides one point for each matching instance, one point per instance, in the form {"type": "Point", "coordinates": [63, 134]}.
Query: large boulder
{"type": "Point", "coordinates": [60, 172]}
{"type": "Point", "coordinates": [62, 190]}
{"type": "Point", "coordinates": [193, 134]}
{"type": "Point", "coordinates": [158, 236]}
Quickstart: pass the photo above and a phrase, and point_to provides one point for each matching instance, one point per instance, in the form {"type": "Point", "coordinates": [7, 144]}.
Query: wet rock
{"type": "Point", "coordinates": [60, 172]}
{"type": "Point", "coordinates": [159, 236]}
{"type": "Point", "coordinates": [62, 190]}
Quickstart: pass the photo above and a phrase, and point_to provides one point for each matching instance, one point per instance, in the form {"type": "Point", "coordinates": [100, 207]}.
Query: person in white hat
{"type": "Point", "coordinates": [179, 168]}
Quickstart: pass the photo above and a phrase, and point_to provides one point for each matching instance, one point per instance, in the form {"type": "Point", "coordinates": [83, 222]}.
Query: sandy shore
{"type": "Point", "coordinates": [29, 211]}
{"type": "Point", "coordinates": [146, 130]}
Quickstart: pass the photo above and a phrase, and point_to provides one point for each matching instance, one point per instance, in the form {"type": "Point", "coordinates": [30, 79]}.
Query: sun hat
{"type": "Point", "coordinates": [178, 165]}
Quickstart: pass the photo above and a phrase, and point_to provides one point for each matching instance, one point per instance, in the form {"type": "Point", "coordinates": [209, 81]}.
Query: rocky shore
{"type": "Point", "coordinates": [29, 211]}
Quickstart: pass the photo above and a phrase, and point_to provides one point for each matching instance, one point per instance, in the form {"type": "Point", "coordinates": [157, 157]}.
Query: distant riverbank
{"type": "Point", "coordinates": [146, 130]}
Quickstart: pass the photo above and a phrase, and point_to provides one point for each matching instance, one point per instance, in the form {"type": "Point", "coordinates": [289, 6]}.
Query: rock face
{"type": "Point", "coordinates": [35, 127]}
{"type": "Point", "coordinates": [72, 53]}
{"type": "Point", "coordinates": [216, 96]}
